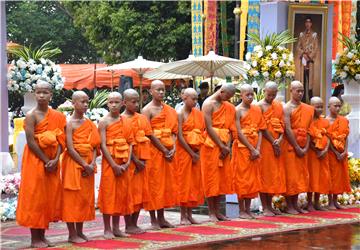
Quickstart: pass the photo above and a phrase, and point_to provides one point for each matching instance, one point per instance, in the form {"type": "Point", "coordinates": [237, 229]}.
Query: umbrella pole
{"type": "Point", "coordinates": [141, 94]}
{"type": "Point", "coordinates": [112, 80]}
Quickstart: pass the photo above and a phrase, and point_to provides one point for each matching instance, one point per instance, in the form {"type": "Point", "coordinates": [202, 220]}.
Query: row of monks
{"type": "Point", "coordinates": [161, 159]}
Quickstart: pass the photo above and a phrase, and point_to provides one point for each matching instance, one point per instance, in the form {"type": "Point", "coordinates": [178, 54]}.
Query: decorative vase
{"type": "Point", "coordinates": [352, 97]}
{"type": "Point", "coordinates": [29, 102]}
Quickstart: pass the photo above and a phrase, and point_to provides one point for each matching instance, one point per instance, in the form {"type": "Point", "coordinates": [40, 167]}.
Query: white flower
{"type": "Point", "coordinates": [343, 74]}
{"type": "Point", "coordinates": [260, 54]}
{"type": "Point", "coordinates": [281, 64]}
{"type": "Point", "coordinates": [350, 55]}
{"type": "Point", "coordinates": [254, 63]}
{"type": "Point", "coordinates": [357, 76]}
{"type": "Point", "coordinates": [21, 64]}
{"type": "Point", "coordinates": [246, 66]}
{"type": "Point", "coordinates": [357, 61]}
{"type": "Point", "coordinates": [269, 63]}
{"type": "Point", "coordinates": [15, 87]}
{"type": "Point", "coordinates": [284, 56]}
{"type": "Point", "coordinates": [278, 74]}
{"type": "Point", "coordinates": [268, 47]}
{"type": "Point", "coordinates": [346, 68]}
{"type": "Point", "coordinates": [43, 61]}
{"type": "Point", "coordinates": [336, 61]}
{"type": "Point", "coordinates": [274, 56]}
{"type": "Point", "coordinates": [265, 74]}
{"type": "Point", "coordinates": [289, 73]}
{"type": "Point", "coordinates": [248, 56]}
{"type": "Point", "coordinates": [257, 48]}
{"type": "Point", "coordinates": [281, 48]}
{"type": "Point", "coordinates": [291, 57]}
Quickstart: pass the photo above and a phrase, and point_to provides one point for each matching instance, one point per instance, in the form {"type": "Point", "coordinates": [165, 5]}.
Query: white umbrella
{"type": "Point", "coordinates": [209, 65]}
{"type": "Point", "coordinates": [139, 65]}
{"type": "Point", "coordinates": [162, 75]}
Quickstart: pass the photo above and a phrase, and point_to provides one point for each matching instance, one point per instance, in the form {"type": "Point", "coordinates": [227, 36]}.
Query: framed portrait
{"type": "Point", "coordinates": [309, 23]}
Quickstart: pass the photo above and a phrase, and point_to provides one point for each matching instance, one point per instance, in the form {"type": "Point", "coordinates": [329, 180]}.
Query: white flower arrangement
{"type": "Point", "coordinates": [23, 75]}
{"type": "Point", "coordinates": [96, 114]}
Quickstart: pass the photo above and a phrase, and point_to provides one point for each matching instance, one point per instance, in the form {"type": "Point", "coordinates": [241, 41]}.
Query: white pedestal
{"type": "Point", "coordinates": [6, 163]}
{"type": "Point", "coordinates": [352, 97]}
{"type": "Point", "coordinates": [29, 102]}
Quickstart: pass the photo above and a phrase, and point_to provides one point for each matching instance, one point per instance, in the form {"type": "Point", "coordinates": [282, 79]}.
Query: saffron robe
{"type": "Point", "coordinates": [188, 174]}
{"type": "Point", "coordinates": [217, 173]}
{"type": "Point", "coordinates": [338, 131]}
{"type": "Point", "coordinates": [319, 170]}
{"type": "Point", "coordinates": [39, 200]}
{"type": "Point", "coordinates": [141, 128]}
{"type": "Point", "coordinates": [115, 196]}
{"type": "Point", "coordinates": [296, 168]}
{"type": "Point", "coordinates": [78, 199]}
{"type": "Point", "coordinates": [272, 168]}
{"type": "Point", "coordinates": [246, 180]}
{"type": "Point", "coordinates": [162, 186]}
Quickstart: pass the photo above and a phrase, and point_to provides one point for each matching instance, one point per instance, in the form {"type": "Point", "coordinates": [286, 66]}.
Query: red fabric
{"type": "Point", "coordinates": [329, 215]}
{"type": "Point", "coordinates": [204, 230]}
{"type": "Point", "coordinates": [288, 219]}
{"type": "Point", "coordinates": [351, 210]}
{"type": "Point", "coordinates": [161, 237]}
{"type": "Point", "coordinates": [246, 224]}
{"type": "Point", "coordinates": [108, 244]}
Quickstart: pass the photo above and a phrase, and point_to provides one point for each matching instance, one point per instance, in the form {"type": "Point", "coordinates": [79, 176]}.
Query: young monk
{"type": "Point", "coordinates": [163, 120]}
{"type": "Point", "coordinates": [40, 188]}
{"type": "Point", "coordinates": [318, 161]}
{"type": "Point", "coordinates": [246, 151]}
{"type": "Point", "coordinates": [298, 117]}
{"type": "Point", "coordinates": [272, 167]}
{"type": "Point", "coordinates": [190, 139]}
{"type": "Point", "coordinates": [78, 169]}
{"type": "Point", "coordinates": [214, 156]}
{"type": "Point", "coordinates": [338, 162]}
{"type": "Point", "coordinates": [142, 133]}
{"type": "Point", "coordinates": [115, 196]}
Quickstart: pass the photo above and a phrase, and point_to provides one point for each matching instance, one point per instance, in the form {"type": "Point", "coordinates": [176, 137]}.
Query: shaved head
{"type": "Point", "coordinates": [296, 84]}
{"type": "Point", "coordinates": [40, 84]}
{"type": "Point", "coordinates": [156, 83]}
{"type": "Point", "coordinates": [228, 87]}
{"type": "Point", "coordinates": [316, 100]}
{"type": "Point", "coordinates": [271, 85]}
{"type": "Point", "coordinates": [114, 95]}
{"type": "Point", "coordinates": [334, 100]}
{"type": "Point", "coordinates": [130, 93]}
{"type": "Point", "coordinates": [190, 92]}
{"type": "Point", "coordinates": [78, 94]}
{"type": "Point", "coordinates": [246, 88]}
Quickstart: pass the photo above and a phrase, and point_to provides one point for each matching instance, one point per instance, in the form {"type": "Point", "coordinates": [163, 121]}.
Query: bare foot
{"type": "Point", "coordinates": [165, 224]}
{"type": "Point", "coordinates": [38, 244]}
{"type": "Point", "coordinates": [193, 221]}
{"type": "Point", "coordinates": [244, 215]}
{"type": "Point", "coordinates": [108, 235]}
{"type": "Point", "coordinates": [134, 230]}
{"type": "Point", "coordinates": [320, 208]}
{"type": "Point", "coordinates": [268, 212]}
{"type": "Point", "coordinates": [222, 217]}
{"type": "Point", "coordinates": [310, 208]}
{"type": "Point", "coordinates": [83, 236]}
{"type": "Point", "coordinates": [76, 239]}
{"type": "Point", "coordinates": [303, 211]}
{"type": "Point", "coordinates": [338, 206]}
{"type": "Point", "coordinates": [213, 218]}
{"type": "Point", "coordinates": [292, 211]}
{"type": "Point", "coordinates": [185, 222]}
{"type": "Point", "coordinates": [154, 226]}
{"type": "Point", "coordinates": [117, 232]}
{"type": "Point", "coordinates": [48, 243]}
{"type": "Point", "coordinates": [332, 207]}
{"type": "Point", "coordinates": [252, 215]}
{"type": "Point", "coordinates": [276, 212]}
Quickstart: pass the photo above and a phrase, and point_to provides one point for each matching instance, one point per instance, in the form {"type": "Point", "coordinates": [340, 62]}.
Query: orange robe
{"type": "Point", "coordinates": [297, 173]}
{"type": "Point", "coordinates": [188, 174]}
{"type": "Point", "coordinates": [340, 180]}
{"type": "Point", "coordinates": [39, 201]}
{"type": "Point", "coordinates": [272, 168]}
{"type": "Point", "coordinates": [78, 201]}
{"type": "Point", "coordinates": [246, 180]}
{"type": "Point", "coordinates": [139, 185]}
{"type": "Point", "coordinates": [319, 171]}
{"type": "Point", "coordinates": [216, 173]}
{"type": "Point", "coordinates": [162, 186]}
{"type": "Point", "coordinates": [115, 196]}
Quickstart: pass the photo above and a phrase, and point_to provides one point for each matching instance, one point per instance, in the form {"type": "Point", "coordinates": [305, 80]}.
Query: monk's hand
{"type": "Point", "coordinates": [321, 154]}
{"type": "Point", "coordinates": [277, 150]}
{"type": "Point", "coordinates": [195, 157]}
{"type": "Point", "coordinates": [51, 165]}
{"type": "Point", "coordinates": [118, 170]}
{"type": "Point", "coordinates": [140, 165]}
{"type": "Point", "coordinates": [225, 150]}
{"type": "Point", "coordinates": [254, 154]}
{"type": "Point", "coordinates": [170, 155]}
{"type": "Point", "coordinates": [342, 156]}
{"type": "Point", "coordinates": [299, 151]}
{"type": "Point", "coordinates": [89, 169]}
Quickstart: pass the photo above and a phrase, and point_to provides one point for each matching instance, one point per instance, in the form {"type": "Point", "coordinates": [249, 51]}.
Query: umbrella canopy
{"type": "Point", "coordinates": [140, 65]}
{"type": "Point", "coordinates": [162, 75]}
{"type": "Point", "coordinates": [209, 65]}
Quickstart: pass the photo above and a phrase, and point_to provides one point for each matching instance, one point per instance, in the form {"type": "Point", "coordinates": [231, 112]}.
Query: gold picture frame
{"type": "Point", "coordinates": [310, 66]}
